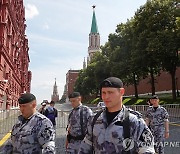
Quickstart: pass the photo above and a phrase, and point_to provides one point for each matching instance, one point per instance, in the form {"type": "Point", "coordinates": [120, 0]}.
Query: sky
{"type": "Point", "coordinates": [58, 33]}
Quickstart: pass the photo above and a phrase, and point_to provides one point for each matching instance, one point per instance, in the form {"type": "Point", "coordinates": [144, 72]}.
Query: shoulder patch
{"type": "Point", "coordinates": [85, 107]}
{"type": "Point", "coordinates": [163, 108]}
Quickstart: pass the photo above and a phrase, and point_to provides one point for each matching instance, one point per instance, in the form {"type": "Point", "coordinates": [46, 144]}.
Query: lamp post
{"type": "Point", "coordinates": [177, 91]}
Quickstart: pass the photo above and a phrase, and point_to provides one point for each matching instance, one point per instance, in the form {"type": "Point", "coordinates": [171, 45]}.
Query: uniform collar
{"type": "Point", "coordinates": [157, 106]}
{"type": "Point", "coordinates": [21, 118]}
{"type": "Point", "coordinates": [120, 116]}
{"type": "Point", "coordinates": [76, 108]}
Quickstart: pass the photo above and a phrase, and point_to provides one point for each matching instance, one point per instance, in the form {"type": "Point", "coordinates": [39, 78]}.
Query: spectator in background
{"type": "Point", "coordinates": [51, 113]}
{"type": "Point", "coordinates": [42, 109]}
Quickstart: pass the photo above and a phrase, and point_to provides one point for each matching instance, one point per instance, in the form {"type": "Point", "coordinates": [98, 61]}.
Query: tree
{"type": "Point", "coordinates": [121, 58]}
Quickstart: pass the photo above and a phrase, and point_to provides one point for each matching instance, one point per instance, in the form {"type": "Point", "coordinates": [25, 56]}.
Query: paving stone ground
{"type": "Point", "coordinates": [60, 140]}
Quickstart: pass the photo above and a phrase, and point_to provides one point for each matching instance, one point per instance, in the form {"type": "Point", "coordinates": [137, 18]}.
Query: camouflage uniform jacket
{"type": "Point", "coordinates": [157, 117]}
{"type": "Point", "coordinates": [74, 125]}
{"type": "Point", "coordinates": [108, 139]}
{"type": "Point", "coordinates": [33, 136]}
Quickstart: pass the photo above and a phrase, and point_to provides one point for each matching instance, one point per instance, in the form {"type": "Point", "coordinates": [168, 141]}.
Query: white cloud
{"type": "Point", "coordinates": [54, 41]}
{"type": "Point", "coordinates": [31, 11]}
{"type": "Point", "coordinates": [45, 26]}
{"type": "Point", "coordinates": [59, 44]}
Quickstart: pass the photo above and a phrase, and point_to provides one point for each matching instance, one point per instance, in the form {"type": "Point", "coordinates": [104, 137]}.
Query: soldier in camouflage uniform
{"type": "Point", "coordinates": [157, 119]}
{"type": "Point", "coordinates": [33, 133]}
{"type": "Point", "coordinates": [77, 123]}
{"type": "Point", "coordinates": [107, 134]}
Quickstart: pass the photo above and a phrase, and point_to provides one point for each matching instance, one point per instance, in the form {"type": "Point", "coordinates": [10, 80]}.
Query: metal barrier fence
{"type": "Point", "coordinates": [8, 118]}
{"type": "Point", "coordinates": [62, 119]}
{"type": "Point", "coordinates": [172, 109]}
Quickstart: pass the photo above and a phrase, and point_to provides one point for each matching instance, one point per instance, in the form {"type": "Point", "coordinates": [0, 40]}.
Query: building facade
{"type": "Point", "coordinates": [63, 97]}
{"type": "Point", "coordinates": [55, 95]}
{"type": "Point", "coordinates": [15, 77]}
{"type": "Point", "coordinates": [71, 77]}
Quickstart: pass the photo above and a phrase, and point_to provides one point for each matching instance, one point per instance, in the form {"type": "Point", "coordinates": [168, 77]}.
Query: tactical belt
{"type": "Point", "coordinates": [70, 137]}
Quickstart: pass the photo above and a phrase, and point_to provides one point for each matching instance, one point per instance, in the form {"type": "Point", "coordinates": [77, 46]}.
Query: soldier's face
{"type": "Point", "coordinates": [155, 102]}
{"type": "Point", "coordinates": [27, 109]}
{"type": "Point", "coordinates": [112, 98]}
{"type": "Point", "coordinates": [75, 101]}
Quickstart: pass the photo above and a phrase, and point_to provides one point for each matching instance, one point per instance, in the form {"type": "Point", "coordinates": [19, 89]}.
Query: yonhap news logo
{"type": "Point", "coordinates": [128, 144]}
{"type": "Point", "coordinates": [147, 140]}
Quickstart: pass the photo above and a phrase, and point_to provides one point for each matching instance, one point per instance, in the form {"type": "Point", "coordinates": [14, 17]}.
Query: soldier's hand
{"type": "Point", "coordinates": [166, 135]}
{"type": "Point", "coordinates": [66, 144]}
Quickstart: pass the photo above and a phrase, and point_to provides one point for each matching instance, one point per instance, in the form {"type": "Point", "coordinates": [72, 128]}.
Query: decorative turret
{"type": "Point", "coordinates": [84, 63]}
{"type": "Point", "coordinates": [94, 37]}
{"type": "Point", "coordinates": [55, 96]}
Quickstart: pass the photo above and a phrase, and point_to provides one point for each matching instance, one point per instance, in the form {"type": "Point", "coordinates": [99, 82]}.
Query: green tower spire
{"type": "Point", "coordinates": [94, 27]}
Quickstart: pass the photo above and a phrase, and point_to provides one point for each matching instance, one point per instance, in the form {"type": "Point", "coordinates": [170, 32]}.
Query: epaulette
{"type": "Point", "coordinates": [84, 107]}
{"type": "Point", "coordinates": [40, 116]}
{"type": "Point", "coordinates": [138, 114]}
{"type": "Point", "coordinates": [163, 108]}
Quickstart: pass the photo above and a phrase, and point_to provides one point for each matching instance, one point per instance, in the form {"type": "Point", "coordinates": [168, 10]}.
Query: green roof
{"type": "Point", "coordinates": [94, 28]}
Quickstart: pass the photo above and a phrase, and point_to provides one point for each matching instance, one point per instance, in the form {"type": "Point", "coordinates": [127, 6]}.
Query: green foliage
{"type": "Point", "coordinates": [134, 101]}
{"type": "Point", "coordinates": [143, 101]}
{"type": "Point", "coordinates": [96, 100]}
{"type": "Point", "coordinates": [139, 101]}
{"type": "Point", "coordinates": [126, 100]}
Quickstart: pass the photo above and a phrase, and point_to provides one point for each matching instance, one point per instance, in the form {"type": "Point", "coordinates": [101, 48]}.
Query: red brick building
{"type": "Point", "coordinates": [15, 78]}
{"type": "Point", "coordinates": [71, 77]}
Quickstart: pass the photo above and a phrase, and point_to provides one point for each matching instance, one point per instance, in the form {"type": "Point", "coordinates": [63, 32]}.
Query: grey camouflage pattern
{"type": "Point", "coordinates": [108, 139]}
{"type": "Point", "coordinates": [74, 127]}
{"type": "Point", "coordinates": [29, 137]}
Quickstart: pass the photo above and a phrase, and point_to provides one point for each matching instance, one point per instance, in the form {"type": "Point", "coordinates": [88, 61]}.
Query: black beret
{"type": "Point", "coordinates": [112, 82]}
{"type": "Point", "coordinates": [155, 97]}
{"type": "Point", "coordinates": [74, 94]}
{"type": "Point", "coordinates": [26, 98]}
